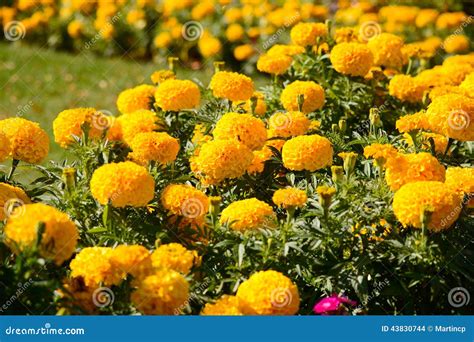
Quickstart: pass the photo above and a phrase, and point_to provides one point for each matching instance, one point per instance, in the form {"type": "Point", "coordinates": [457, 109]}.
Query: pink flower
{"type": "Point", "coordinates": [332, 304]}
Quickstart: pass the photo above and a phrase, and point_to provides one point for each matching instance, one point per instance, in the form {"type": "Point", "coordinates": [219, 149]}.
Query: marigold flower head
{"type": "Point", "coordinates": [289, 124]}
{"type": "Point", "coordinates": [269, 293]}
{"type": "Point", "coordinates": [185, 200]}
{"type": "Point", "coordinates": [162, 75]}
{"type": "Point", "coordinates": [224, 306]}
{"type": "Point", "coordinates": [452, 115]}
{"type": "Point", "coordinates": [128, 126]}
{"type": "Point", "coordinates": [131, 259]}
{"type": "Point", "coordinates": [412, 199]}
{"type": "Point", "coordinates": [380, 152]}
{"type": "Point", "coordinates": [467, 86]}
{"type": "Point", "coordinates": [232, 86]}
{"type": "Point", "coordinates": [352, 59]}
{"type": "Point", "coordinates": [122, 184]}
{"type": "Point", "coordinates": [274, 64]}
{"type": "Point", "coordinates": [307, 152]}
{"type": "Point", "coordinates": [221, 159]}
{"type": "Point", "coordinates": [10, 198]}
{"type": "Point", "coordinates": [209, 46]}
{"type": "Point", "coordinates": [289, 50]}
{"type": "Point", "coordinates": [406, 88]}
{"type": "Point", "coordinates": [290, 198]}
{"type": "Point", "coordinates": [163, 293]}
{"type": "Point", "coordinates": [133, 99]}
{"type": "Point", "coordinates": [413, 167]}
{"type": "Point", "coordinates": [446, 89]}
{"type": "Point", "coordinates": [244, 128]}
{"type": "Point", "coordinates": [5, 147]}
{"type": "Point", "coordinates": [248, 214]}
{"type": "Point", "coordinates": [450, 20]}
{"type": "Point", "coordinates": [234, 32]}
{"type": "Point", "coordinates": [345, 35]}
{"type": "Point", "coordinates": [243, 52]}
{"type": "Point", "coordinates": [426, 17]}
{"type": "Point", "coordinates": [154, 146]}
{"type": "Point", "coordinates": [77, 295]}
{"type": "Point", "coordinates": [176, 95]}
{"type": "Point", "coordinates": [305, 34]}
{"type": "Point", "coordinates": [259, 159]}
{"type": "Point", "coordinates": [28, 141]}
{"type": "Point", "coordinates": [175, 257]}
{"type": "Point", "coordinates": [412, 122]}
{"type": "Point", "coordinates": [59, 237]}
{"type": "Point", "coordinates": [461, 179]}
{"type": "Point", "coordinates": [387, 50]}
{"type": "Point", "coordinates": [69, 123]}
{"type": "Point", "coordinates": [258, 101]}
{"type": "Point", "coordinates": [313, 96]}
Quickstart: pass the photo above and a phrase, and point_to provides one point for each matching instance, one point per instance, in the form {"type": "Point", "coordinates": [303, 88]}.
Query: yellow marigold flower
{"type": "Point", "coordinates": [128, 126]}
{"type": "Point", "coordinates": [352, 59]}
{"type": "Point", "coordinates": [185, 200]}
{"type": "Point", "coordinates": [69, 123]}
{"type": "Point", "coordinates": [232, 86]}
{"type": "Point", "coordinates": [164, 293]}
{"type": "Point", "coordinates": [74, 29]}
{"type": "Point", "coordinates": [221, 159]}
{"type": "Point", "coordinates": [202, 9]}
{"type": "Point", "coordinates": [224, 306]}
{"type": "Point", "coordinates": [5, 147]}
{"type": "Point", "coordinates": [305, 34]}
{"type": "Point", "coordinates": [244, 128]}
{"type": "Point", "coordinates": [467, 86]}
{"type": "Point", "coordinates": [426, 17]}
{"type": "Point", "coordinates": [414, 167]}
{"type": "Point", "coordinates": [461, 179]}
{"type": "Point", "coordinates": [456, 43]}
{"type": "Point", "coordinates": [131, 259]}
{"type": "Point", "coordinates": [176, 95]}
{"type": "Point", "coordinates": [59, 237]}
{"type": "Point", "coordinates": [412, 199]}
{"type": "Point", "coordinates": [94, 267]}
{"type": "Point", "coordinates": [234, 32]}
{"type": "Point", "coordinates": [453, 116]}
{"type": "Point", "coordinates": [446, 89]}
{"type": "Point", "coordinates": [269, 293]}
{"type": "Point", "coordinates": [460, 59]}
{"type": "Point", "coordinates": [10, 198]}
{"type": "Point", "coordinates": [162, 75]}
{"type": "Point", "coordinates": [28, 141]}
{"type": "Point", "coordinates": [313, 96]}
{"type": "Point", "coordinates": [77, 294]}
{"type": "Point", "coordinates": [288, 50]}
{"type": "Point", "coordinates": [209, 46]}
{"type": "Point", "coordinates": [387, 50]}
{"type": "Point", "coordinates": [248, 214]}
{"type": "Point", "coordinates": [290, 198]}
{"type": "Point", "coordinates": [412, 122]}
{"type": "Point", "coordinates": [380, 152]}
{"type": "Point", "coordinates": [122, 184]}
{"type": "Point", "coordinates": [260, 104]}
{"type": "Point", "coordinates": [274, 64]}
{"type": "Point", "coordinates": [154, 146]}
{"type": "Point", "coordinates": [406, 88]}
{"type": "Point", "coordinates": [163, 40]}
{"type": "Point", "coordinates": [450, 20]}
{"type": "Point", "coordinates": [345, 35]}
{"type": "Point", "coordinates": [259, 159]}
{"type": "Point", "coordinates": [289, 124]}
{"type": "Point", "coordinates": [175, 257]}
{"type": "Point", "coordinates": [455, 74]}
{"type": "Point", "coordinates": [133, 99]}
{"type": "Point", "coordinates": [243, 52]}
{"type": "Point", "coordinates": [307, 152]}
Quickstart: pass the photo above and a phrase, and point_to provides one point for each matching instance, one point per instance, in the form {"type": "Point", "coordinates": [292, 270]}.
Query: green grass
{"type": "Point", "coordinates": [38, 83]}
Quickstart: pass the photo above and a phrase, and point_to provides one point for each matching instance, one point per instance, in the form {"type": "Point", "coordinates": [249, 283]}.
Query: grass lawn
{"type": "Point", "coordinates": [38, 83]}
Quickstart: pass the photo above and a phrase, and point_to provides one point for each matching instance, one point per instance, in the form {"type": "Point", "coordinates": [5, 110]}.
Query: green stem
{"type": "Point", "coordinates": [12, 169]}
